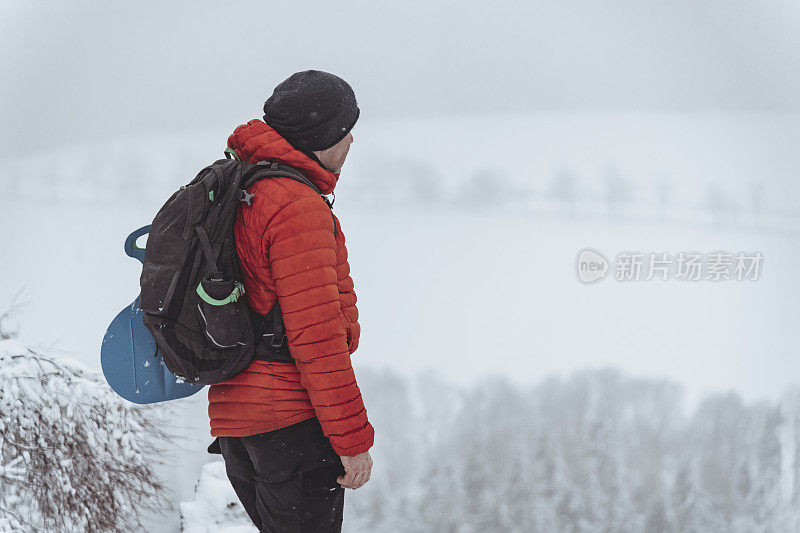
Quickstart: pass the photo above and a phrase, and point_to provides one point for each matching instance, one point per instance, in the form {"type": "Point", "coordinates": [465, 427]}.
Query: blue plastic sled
{"type": "Point", "coordinates": [128, 353]}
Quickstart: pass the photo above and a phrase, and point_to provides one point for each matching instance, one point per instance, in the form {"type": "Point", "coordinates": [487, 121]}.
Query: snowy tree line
{"type": "Point", "coordinates": [596, 452]}
{"type": "Point", "coordinates": [607, 193]}
{"type": "Point", "coordinates": [146, 177]}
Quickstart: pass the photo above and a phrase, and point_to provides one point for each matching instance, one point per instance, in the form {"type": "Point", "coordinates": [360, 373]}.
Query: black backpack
{"type": "Point", "coordinates": [192, 291]}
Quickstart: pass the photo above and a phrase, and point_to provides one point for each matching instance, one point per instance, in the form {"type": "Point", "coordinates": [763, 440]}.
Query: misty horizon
{"type": "Point", "coordinates": [93, 70]}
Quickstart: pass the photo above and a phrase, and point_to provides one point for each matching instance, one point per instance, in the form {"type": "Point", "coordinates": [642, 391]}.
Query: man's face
{"type": "Point", "coordinates": [333, 158]}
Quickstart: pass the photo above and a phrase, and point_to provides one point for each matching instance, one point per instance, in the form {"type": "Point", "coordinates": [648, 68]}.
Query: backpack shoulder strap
{"type": "Point", "coordinates": [269, 169]}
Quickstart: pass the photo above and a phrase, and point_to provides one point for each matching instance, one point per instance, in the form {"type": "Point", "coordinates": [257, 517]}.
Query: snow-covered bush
{"type": "Point", "coordinates": [73, 455]}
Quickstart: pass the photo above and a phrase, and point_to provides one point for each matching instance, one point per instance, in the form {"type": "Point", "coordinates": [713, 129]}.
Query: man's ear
{"type": "Point", "coordinates": [315, 156]}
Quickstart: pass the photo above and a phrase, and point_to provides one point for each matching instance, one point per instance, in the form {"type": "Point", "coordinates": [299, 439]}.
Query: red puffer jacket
{"type": "Point", "coordinates": [288, 250]}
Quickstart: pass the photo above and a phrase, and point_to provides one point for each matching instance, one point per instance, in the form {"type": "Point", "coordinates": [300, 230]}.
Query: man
{"type": "Point", "coordinates": [294, 435]}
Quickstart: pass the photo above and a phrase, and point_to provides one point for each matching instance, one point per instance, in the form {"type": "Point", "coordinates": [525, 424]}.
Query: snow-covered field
{"type": "Point", "coordinates": [464, 294]}
{"type": "Point", "coordinates": [463, 291]}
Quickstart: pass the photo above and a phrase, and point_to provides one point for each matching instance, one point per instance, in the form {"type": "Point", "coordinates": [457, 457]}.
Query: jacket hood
{"type": "Point", "coordinates": [257, 141]}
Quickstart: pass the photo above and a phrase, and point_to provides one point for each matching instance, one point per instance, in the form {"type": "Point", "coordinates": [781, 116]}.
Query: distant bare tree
{"type": "Point", "coordinates": [563, 189]}
{"type": "Point", "coordinates": [663, 196]}
{"type": "Point", "coordinates": [618, 191]}
{"type": "Point", "coordinates": [400, 180]}
{"type": "Point", "coordinates": [719, 205]}
{"type": "Point", "coordinates": [485, 189]}
{"type": "Point", "coordinates": [133, 179]}
{"type": "Point", "coordinates": [757, 193]}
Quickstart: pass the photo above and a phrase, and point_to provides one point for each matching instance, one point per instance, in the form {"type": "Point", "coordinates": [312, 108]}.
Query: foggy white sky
{"type": "Point", "coordinates": [79, 71]}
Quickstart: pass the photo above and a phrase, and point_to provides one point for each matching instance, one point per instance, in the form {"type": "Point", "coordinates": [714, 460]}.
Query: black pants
{"type": "Point", "coordinates": [286, 479]}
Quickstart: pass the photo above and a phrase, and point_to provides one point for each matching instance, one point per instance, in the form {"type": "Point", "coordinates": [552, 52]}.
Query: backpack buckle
{"type": "Point", "coordinates": [272, 340]}
{"type": "Point", "coordinates": [245, 197]}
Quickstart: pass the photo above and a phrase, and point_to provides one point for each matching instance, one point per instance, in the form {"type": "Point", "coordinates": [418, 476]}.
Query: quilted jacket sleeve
{"type": "Point", "coordinates": [303, 261]}
{"type": "Point", "coordinates": [347, 294]}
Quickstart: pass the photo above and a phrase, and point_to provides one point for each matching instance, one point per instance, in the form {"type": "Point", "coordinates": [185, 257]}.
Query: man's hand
{"type": "Point", "coordinates": [356, 470]}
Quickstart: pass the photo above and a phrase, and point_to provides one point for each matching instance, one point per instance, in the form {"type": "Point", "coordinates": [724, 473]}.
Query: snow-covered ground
{"type": "Point", "coordinates": [464, 291]}
{"type": "Point", "coordinates": [216, 507]}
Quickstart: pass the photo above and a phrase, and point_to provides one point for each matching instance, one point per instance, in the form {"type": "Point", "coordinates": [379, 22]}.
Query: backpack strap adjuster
{"type": "Point", "coordinates": [276, 341]}
{"type": "Point", "coordinates": [246, 197]}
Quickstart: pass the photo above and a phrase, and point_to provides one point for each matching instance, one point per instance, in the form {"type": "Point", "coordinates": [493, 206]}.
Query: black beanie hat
{"type": "Point", "coordinates": [313, 110]}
